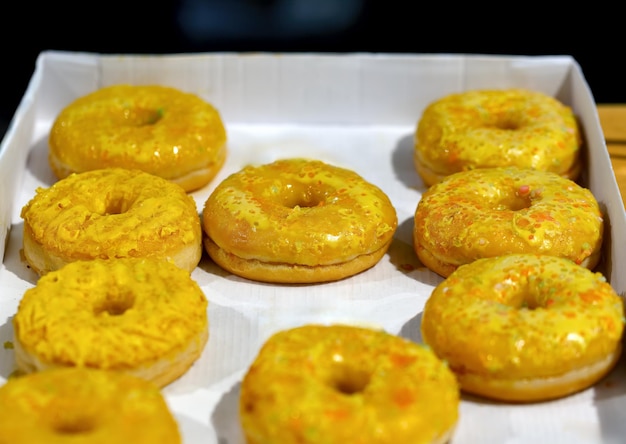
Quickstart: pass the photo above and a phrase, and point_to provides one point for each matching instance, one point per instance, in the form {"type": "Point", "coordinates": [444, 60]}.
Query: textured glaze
{"type": "Point", "coordinates": [494, 211]}
{"type": "Point", "coordinates": [116, 314]}
{"type": "Point", "coordinates": [84, 406]}
{"type": "Point", "coordinates": [495, 128]}
{"type": "Point", "coordinates": [114, 212]}
{"type": "Point", "coordinates": [342, 384]}
{"type": "Point", "coordinates": [299, 211]}
{"type": "Point", "coordinates": [156, 129]}
{"type": "Point", "coordinates": [523, 318]}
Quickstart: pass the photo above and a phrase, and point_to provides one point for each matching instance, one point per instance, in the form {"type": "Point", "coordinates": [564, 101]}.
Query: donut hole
{"type": "Point", "coordinates": [516, 203]}
{"type": "Point", "coordinates": [117, 205]}
{"type": "Point", "coordinates": [115, 304]}
{"type": "Point", "coordinates": [142, 116]}
{"type": "Point", "coordinates": [304, 196]}
{"type": "Point", "coordinates": [508, 123]}
{"type": "Point", "coordinates": [347, 379]}
{"type": "Point", "coordinates": [74, 426]}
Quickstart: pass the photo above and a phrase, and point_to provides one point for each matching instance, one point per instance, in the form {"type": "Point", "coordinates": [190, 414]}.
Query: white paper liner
{"type": "Point", "coordinates": [375, 140]}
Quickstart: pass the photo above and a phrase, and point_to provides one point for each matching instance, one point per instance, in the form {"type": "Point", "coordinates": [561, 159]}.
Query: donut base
{"type": "Point", "coordinates": [538, 389]}
{"type": "Point", "coordinates": [191, 181]}
{"type": "Point", "coordinates": [285, 273]}
{"type": "Point", "coordinates": [445, 269]}
{"type": "Point", "coordinates": [43, 261]}
{"type": "Point", "coordinates": [430, 177]}
{"type": "Point", "coordinates": [162, 371]}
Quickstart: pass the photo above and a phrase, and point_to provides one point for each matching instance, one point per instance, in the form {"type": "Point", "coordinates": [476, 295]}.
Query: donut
{"type": "Point", "coordinates": [157, 129]}
{"type": "Point", "coordinates": [141, 316]}
{"type": "Point", "coordinates": [84, 406]}
{"type": "Point", "coordinates": [111, 213]}
{"type": "Point", "coordinates": [495, 211]}
{"type": "Point", "coordinates": [496, 128]}
{"type": "Point", "coordinates": [332, 383]}
{"type": "Point", "coordinates": [297, 221]}
{"type": "Point", "coordinates": [525, 327]}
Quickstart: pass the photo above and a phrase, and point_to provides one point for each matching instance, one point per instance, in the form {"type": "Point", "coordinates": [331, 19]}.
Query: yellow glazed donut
{"type": "Point", "coordinates": [494, 211]}
{"type": "Point", "coordinates": [495, 128]}
{"type": "Point", "coordinates": [111, 213]}
{"type": "Point", "coordinates": [157, 129]}
{"type": "Point", "coordinates": [297, 221]}
{"type": "Point", "coordinates": [332, 384]}
{"type": "Point", "coordinates": [84, 406]}
{"type": "Point", "coordinates": [525, 327]}
{"type": "Point", "coordinates": [145, 317]}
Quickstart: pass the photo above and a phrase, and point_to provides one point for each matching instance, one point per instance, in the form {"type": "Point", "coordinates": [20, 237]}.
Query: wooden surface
{"type": "Point", "coordinates": [613, 121]}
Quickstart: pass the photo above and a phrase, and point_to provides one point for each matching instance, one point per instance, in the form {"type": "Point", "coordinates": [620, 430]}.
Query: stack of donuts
{"type": "Point", "coordinates": [114, 241]}
{"type": "Point", "coordinates": [519, 316]}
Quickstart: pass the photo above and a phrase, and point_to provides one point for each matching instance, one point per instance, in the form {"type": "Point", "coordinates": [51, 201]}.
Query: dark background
{"type": "Point", "coordinates": [594, 34]}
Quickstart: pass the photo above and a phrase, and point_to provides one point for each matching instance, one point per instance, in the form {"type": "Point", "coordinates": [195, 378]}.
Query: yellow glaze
{"type": "Point", "coordinates": [116, 314]}
{"type": "Point", "coordinates": [494, 128]}
{"type": "Point", "coordinates": [494, 211]}
{"type": "Point", "coordinates": [517, 319]}
{"type": "Point", "coordinates": [114, 213]}
{"type": "Point", "coordinates": [157, 129]}
{"type": "Point", "coordinates": [343, 384]}
{"type": "Point", "coordinates": [299, 211]}
{"type": "Point", "coordinates": [84, 406]}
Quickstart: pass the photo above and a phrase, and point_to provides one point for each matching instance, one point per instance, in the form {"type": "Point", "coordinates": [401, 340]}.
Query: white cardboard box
{"type": "Point", "coordinates": [354, 110]}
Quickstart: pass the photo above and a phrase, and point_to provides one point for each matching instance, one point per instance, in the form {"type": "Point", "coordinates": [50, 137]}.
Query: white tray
{"type": "Point", "coordinates": [354, 110]}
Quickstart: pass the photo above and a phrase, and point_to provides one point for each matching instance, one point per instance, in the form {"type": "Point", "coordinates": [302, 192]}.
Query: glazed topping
{"type": "Point", "coordinates": [331, 383]}
{"type": "Point", "coordinates": [523, 316]}
{"type": "Point", "coordinates": [84, 405]}
{"type": "Point", "coordinates": [494, 211]}
{"type": "Point", "coordinates": [112, 213]}
{"type": "Point", "coordinates": [491, 128]}
{"type": "Point", "coordinates": [111, 314]}
{"type": "Point", "coordinates": [153, 128]}
{"type": "Point", "coordinates": [299, 211]}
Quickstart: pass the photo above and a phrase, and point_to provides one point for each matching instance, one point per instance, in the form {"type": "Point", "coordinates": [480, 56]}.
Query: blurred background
{"type": "Point", "coordinates": [592, 35]}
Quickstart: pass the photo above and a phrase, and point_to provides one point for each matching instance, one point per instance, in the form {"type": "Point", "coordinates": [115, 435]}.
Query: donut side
{"type": "Point", "coordinates": [297, 220]}
{"type": "Point", "coordinates": [154, 128]}
{"type": "Point", "coordinates": [495, 211]}
{"type": "Point", "coordinates": [84, 405]}
{"type": "Point", "coordinates": [330, 383]}
{"type": "Point", "coordinates": [145, 317]}
{"type": "Point", "coordinates": [111, 213]}
{"type": "Point", "coordinates": [496, 128]}
{"type": "Point", "coordinates": [290, 273]}
{"type": "Point", "coordinates": [525, 327]}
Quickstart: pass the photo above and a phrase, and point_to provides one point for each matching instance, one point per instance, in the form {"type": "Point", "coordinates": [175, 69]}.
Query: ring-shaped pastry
{"type": "Point", "coordinates": [525, 327]}
{"type": "Point", "coordinates": [495, 211]}
{"type": "Point", "coordinates": [84, 406]}
{"type": "Point", "coordinates": [157, 129]}
{"type": "Point", "coordinates": [111, 213]}
{"type": "Point", "coordinates": [330, 384]}
{"type": "Point", "coordinates": [297, 221]}
{"type": "Point", "coordinates": [497, 128]}
{"type": "Point", "coordinates": [146, 317]}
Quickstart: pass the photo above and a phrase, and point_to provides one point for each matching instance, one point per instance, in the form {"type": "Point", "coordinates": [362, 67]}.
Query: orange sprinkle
{"type": "Point", "coordinates": [402, 360]}
{"type": "Point", "coordinates": [403, 398]}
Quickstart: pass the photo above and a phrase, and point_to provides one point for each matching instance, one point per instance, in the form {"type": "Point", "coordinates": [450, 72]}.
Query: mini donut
{"type": "Point", "coordinates": [84, 406]}
{"type": "Point", "coordinates": [497, 128]}
{"type": "Point", "coordinates": [157, 129]}
{"type": "Point", "coordinates": [111, 213]}
{"type": "Point", "coordinates": [330, 384]}
{"type": "Point", "coordinates": [141, 316]}
{"type": "Point", "coordinates": [494, 211]}
{"type": "Point", "coordinates": [525, 327]}
{"type": "Point", "coordinates": [297, 221]}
